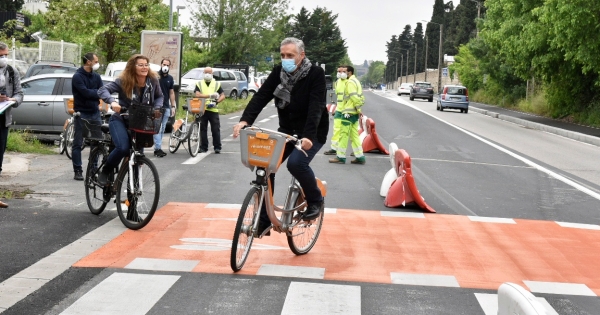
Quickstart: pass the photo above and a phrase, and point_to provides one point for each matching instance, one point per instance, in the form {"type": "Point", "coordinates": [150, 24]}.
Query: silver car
{"type": "Point", "coordinates": [454, 97]}
{"type": "Point", "coordinates": [229, 82]}
{"type": "Point", "coordinates": [43, 107]}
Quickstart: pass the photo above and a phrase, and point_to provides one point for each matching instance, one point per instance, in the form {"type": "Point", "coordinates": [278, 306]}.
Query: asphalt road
{"type": "Point", "coordinates": [468, 167]}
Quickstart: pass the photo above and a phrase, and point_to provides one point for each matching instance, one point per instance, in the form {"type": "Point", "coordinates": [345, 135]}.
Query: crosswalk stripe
{"type": "Point", "coordinates": [579, 225]}
{"type": "Point", "coordinates": [491, 220]}
{"type": "Point", "coordinates": [319, 298]}
{"type": "Point", "coordinates": [291, 271]}
{"type": "Point", "coordinates": [123, 293]}
{"type": "Point", "coordinates": [559, 288]}
{"type": "Point", "coordinates": [401, 214]}
{"type": "Point", "coordinates": [428, 280]}
{"type": "Point", "coordinates": [162, 264]}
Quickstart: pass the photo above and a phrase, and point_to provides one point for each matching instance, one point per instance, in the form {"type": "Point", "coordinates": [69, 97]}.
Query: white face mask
{"type": "Point", "coordinates": [3, 62]}
{"type": "Point", "coordinates": [208, 76]}
{"type": "Point", "coordinates": [343, 76]}
{"type": "Point", "coordinates": [339, 75]}
{"type": "Point", "coordinates": [96, 67]}
{"type": "Point", "coordinates": [165, 69]}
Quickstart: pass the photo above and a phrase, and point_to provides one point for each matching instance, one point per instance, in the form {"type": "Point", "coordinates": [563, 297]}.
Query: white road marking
{"type": "Point", "coordinates": [233, 117]}
{"type": "Point", "coordinates": [196, 159]}
{"type": "Point", "coordinates": [123, 293]}
{"type": "Point", "coordinates": [224, 205]}
{"type": "Point", "coordinates": [162, 264]}
{"type": "Point", "coordinates": [321, 298]}
{"type": "Point", "coordinates": [217, 244]}
{"type": "Point", "coordinates": [273, 116]}
{"type": "Point", "coordinates": [426, 280]}
{"type": "Point", "coordinates": [515, 155]}
{"type": "Point", "coordinates": [291, 271]}
{"type": "Point", "coordinates": [402, 214]}
{"type": "Point", "coordinates": [579, 225]}
{"type": "Point", "coordinates": [264, 120]}
{"type": "Point", "coordinates": [559, 288]}
{"type": "Point", "coordinates": [330, 210]}
{"type": "Point", "coordinates": [492, 220]}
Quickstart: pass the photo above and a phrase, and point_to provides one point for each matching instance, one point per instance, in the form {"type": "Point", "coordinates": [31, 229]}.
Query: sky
{"type": "Point", "coordinates": [365, 25]}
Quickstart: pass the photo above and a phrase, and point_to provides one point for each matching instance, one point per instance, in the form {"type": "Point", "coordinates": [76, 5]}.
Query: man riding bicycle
{"type": "Point", "coordinates": [300, 95]}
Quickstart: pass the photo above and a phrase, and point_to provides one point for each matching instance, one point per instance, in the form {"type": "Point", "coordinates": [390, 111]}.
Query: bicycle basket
{"type": "Point", "coordinates": [261, 150]}
{"type": "Point", "coordinates": [141, 119]}
{"type": "Point", "coordinates": [196, 105]}
{"type": "Point", "coordinates": [69, 106]}
{"type": "Point", "coordinates": [143, 140]}
{"type": "Point", "coordinates": [91, 129]}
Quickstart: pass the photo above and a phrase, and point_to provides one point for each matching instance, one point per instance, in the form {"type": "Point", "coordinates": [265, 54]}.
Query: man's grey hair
{"type": "Point", "coordinates": [292, 40]}
{"type": "Point", "coordinates": [3, 46]}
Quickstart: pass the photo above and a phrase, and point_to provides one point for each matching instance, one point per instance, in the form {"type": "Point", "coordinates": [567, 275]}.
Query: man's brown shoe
{"type": "Point", "coordinates": [338, 160]}
{"type": "Point", "coordinates": [360, 160]}
{"type": "Point", "coordinates": [3, 205]}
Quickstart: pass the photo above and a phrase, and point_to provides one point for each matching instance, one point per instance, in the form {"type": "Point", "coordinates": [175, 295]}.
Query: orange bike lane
{"type": "Point", "coordinates": [368, 246]}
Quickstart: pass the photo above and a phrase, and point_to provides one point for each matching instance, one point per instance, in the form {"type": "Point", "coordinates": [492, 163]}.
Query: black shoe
{"type": "Point", "coordinates": [202, 151]}
{"type": "Point", "coordinates": [159, 153]}
{"type": "Point", "coordinates": [217, 151]}
{"type": "Point", "coordinates": [330, 152]}
{"type": "Point", "coordinates": [103, 177]}
{"type": "Point", "coordinates": [312, 211]}
{"type": "Point", "coordinates": [262, 227]}
{"type": "Point", "coordinates": [78, 175]}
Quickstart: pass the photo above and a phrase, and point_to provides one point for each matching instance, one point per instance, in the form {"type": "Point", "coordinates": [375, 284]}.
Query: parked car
{"type": "Point", "coordinates": [114, 69]}
{"type": "Point", "coordinates": [454, 97]}
{"type": "Point", "coordinates": [45, 67]}
{"type": "Point", "coordinates": [43, 107]}
{"type": "Point", "coordinates": [422, 90]}
{"type": "Point", "coordinates": [227, 78]}
{"type": "Point", "coordinates": [254, 84]}
{"type": "Point", "coordinates": [242, 84]}
{"type": "Point", "coordinates": [404, 88]}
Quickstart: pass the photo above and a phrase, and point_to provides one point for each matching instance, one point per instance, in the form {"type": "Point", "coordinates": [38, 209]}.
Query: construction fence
{"type": "Point", "coordinates": [22, 57]}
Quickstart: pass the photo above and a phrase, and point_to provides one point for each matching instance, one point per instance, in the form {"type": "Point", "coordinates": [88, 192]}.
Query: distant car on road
{"type": "Point", "coordinates": [454, 97]}
{"type": "Point", "coordinates": [404, 88]}
{"type": "Point", "coordinates": [422, 90]}
{"type": "Point", "coordinates": [45, 67]}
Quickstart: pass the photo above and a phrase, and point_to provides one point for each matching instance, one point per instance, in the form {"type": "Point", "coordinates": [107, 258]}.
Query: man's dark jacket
{"type": "Point", "coordinates": [306, 115]}
{"type": "Point", "coordinates": [85, 87]}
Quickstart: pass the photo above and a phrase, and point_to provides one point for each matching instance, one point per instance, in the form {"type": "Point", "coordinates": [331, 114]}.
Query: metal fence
{"type": "Point", "coordinates": [22, 57]}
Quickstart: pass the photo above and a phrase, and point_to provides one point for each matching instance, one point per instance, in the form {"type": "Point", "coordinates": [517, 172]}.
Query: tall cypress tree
{"type": "Point", "coordinates": [14, 5]}
{"type": "Point", "coordinates": [433, 32]}
{"type": "Point", "coordinates": [418, 38]}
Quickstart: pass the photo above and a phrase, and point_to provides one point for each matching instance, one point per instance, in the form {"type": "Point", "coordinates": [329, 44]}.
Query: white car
{"type": "Point", "coordinates": [115, 68]}
{"type": "Point", "coordinates": [404, 88]}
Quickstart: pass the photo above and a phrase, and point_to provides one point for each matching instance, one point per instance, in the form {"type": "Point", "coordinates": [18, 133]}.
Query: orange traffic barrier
{"type": "Point", "coordinates": [371, 141]}
{"type": "Point", "coordinates": [404, 189]}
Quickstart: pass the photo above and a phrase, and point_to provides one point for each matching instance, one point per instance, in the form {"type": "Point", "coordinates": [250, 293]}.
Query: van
{"type": "Point", "coordinates": [114, 69]}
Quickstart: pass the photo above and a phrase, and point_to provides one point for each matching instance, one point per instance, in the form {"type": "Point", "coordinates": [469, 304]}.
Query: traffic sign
{"type": "Point", "coordinates": [444, 72]}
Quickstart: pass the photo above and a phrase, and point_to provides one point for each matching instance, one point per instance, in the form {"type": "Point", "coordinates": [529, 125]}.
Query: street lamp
{"type": "Point", "coordinates": [426, 51]}
{"type": "Point", "coordinates": [401, 55]}
{"type": "Point", "coordinates": [179, 7]}
{"type": "Point", "coordinates": [478, 10]}
{"type": "Point", "coordinates": [439, 55]}
{"type": "Point", "coordinates": [415, 68]}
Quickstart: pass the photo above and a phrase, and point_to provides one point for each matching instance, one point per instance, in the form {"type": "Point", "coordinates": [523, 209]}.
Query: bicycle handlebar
{"type": "Point", "coordinates": [294, 139]}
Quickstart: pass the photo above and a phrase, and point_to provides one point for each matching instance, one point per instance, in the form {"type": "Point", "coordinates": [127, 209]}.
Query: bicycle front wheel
{"type": "Point", "coordinates": [96, 195]}
{"type": "Point", "coordinates": [243, 234]}
{"type": "Point", "coordinates": [194, 139]}
{"type": "Point", "coordinates": [137, 203]}
{"type": "Point", "coordinates": [303, 235]}
{"type": "Point", "coordinates": [70, 135]}
{"type": "Point", "coordinates": [174, 141]}
{"type": "Point", "coordinates": [62, 145]}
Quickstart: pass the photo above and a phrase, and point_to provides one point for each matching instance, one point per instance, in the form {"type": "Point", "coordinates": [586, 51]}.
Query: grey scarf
{"type": "Point", "coordinates": [288, 80]}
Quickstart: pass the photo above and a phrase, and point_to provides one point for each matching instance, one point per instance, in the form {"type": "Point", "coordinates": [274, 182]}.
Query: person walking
{"type": "Point", "coordinates": [300, 95]}
{"type": "Point", "coordinates": [210, 89]}
{"type": "Point", "coordinates": [85, 85]}
{"type": "Point", "coordinates": [137, 84]}
{"type": "Point", "coordinates": [351, 109]}
{"type": "Point", "coordinates": [10, 91]}
{"type": "Point", "coordinates": [340, 86]}
{"type": "Point", "coordinates": [166, 85]}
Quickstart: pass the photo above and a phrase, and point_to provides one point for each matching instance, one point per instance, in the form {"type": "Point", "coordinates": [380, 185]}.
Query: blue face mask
{"type": "Point", "coordinates": [289, 65]}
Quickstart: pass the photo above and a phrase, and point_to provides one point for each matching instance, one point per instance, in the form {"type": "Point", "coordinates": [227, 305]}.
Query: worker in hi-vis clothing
{"type": "Point", "coordinates": [351, 108]}
{"type": "Point", "coordinates": [339, 86]}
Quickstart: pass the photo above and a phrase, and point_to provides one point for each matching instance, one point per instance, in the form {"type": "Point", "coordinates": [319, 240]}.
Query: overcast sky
{"type": "Point", "coordinates": [366, 25]}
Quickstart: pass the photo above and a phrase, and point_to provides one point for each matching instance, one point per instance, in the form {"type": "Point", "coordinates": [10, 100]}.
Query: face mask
{"type": "Point", "coordinates": [343, 76]}
{"type": "Point", "coordinates": [339, 75]}
{"type": "Point", "coordinates": [96, 67]}
{"type": "Point", "coordinates": [3, 62]}
{"type": "Point", "coordinates": [208, 76]}
{"type": "Point", "coordinates": [165, 69]}
{"type": "Point", "coordinates": [289, 65]}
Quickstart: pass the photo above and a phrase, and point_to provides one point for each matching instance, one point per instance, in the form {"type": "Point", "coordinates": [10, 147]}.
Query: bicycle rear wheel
{"type": "Point", "coordinates": [243, 234]}
{"type": "Point", "coordinates": [303, 236]}
{"type": "Point", "coordinates": [136, 205]}
{"type": "Point", "coordinates": [70, 135]}
{"type": "Point", "coordinates": [94, 193]}
{"type": "Point", "coordinates": [174, 140]}
{"type": "Point", "coordinates": [62, 146]}
{"type": "Point", "coordinates": [194, 139]}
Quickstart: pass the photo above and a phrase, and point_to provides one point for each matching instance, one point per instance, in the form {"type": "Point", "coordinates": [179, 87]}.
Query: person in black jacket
{"type": "Point", "coordinates": [85, 85]}
{"type": "Point", "coordinates": [300, 95]}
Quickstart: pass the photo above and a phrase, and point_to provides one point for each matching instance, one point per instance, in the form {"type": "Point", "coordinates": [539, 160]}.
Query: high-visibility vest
{"type": "Point", "coordinates": [353, 97]}
{"type": "Point", "coordinates": [340, 86]}
{"type": "Point", "coordinates": [209, 89]}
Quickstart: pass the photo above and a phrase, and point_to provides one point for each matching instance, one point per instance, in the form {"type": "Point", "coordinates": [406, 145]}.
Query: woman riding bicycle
{"type": "Point", "coordinates": [300, 95]}
{"type": "Point", "coordinates": [139, 85]}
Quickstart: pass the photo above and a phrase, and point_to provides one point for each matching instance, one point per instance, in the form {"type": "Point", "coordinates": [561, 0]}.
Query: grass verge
{"type": "Point", "coordinates": [14, 192]}
{"type": "Point", "coordinates": [26, 142]}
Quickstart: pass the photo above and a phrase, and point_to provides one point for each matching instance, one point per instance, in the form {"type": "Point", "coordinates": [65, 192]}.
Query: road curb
{"type": "Point", "coordinates": [537, 126]}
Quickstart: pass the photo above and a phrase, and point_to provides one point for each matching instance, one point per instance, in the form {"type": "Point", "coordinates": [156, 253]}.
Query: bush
{"type": "Point", "coordinates": [26, 142]}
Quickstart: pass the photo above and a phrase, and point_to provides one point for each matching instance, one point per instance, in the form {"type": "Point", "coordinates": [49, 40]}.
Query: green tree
{"type": "Point", "coordinates": [375, 74]}
{"type": "Point", "coordinates": [321, 36]}
{"type": "Point", "coordinates": [11, 5]}
{"type": "Point", "coordinates": [238, 29]}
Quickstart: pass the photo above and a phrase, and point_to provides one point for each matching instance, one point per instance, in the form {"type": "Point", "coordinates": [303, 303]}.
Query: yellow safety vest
{"type": "Point", "coordinates": [209, 89]}
{"type": "Point", "coordinates": [353, 97]}
{"type": "Point", "coordinates": [340, 86]}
